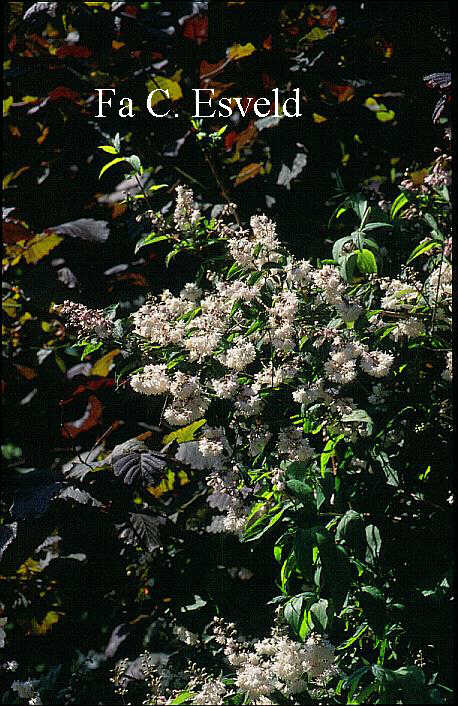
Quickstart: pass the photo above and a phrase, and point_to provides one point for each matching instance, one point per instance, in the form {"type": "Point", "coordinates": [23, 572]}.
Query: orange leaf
{"type": "Point", "coordinates": [90, 418]}
{"type": "Point", "coordinates": [43, 136]}
{"type": "Point", "coordinates": [247, 136]}
{"type": "Point", "coordinates": [248, 172]}
{"type": "Point", "coordinates": [26, 372]}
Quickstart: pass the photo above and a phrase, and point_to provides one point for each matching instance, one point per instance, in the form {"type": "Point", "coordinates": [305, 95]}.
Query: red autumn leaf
{"type": "Point", "coordinates": [61, 92]}
{"type": "Point", "coordinates": [207, 69]}
{"type": "Point", "coordinates": [267, 81]}
{"type": "Point", "coordinates": [267, 43]}
{"type": "Point", "coordinates": [342, 93]}
{"type": "Point", "coordinates": [90, 385]}
{"type": "Point", "coordinates": [293, 30]}
{"type": "Point", "coordinates": [90, 418]}
{"type": "Point", "coordinates": [131, 10]}
{"type": "Point", "coordinates": [74, 50]}
{"type": "Point", "coordinates": [14, 231]}
{"type": "Point", "coordinates": [230, 139]}
{"type": "Point", "coordinates": [196, 28]}
{"type": "Point", "coordinates": [329, 17]}
{"type": "Point", "coordinates": [133, 278]}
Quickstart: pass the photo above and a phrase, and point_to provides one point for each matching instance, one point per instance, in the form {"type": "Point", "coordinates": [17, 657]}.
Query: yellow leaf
{"type": "Point", "coordinates": [317, 118]}
{"type": "Point", "coordinates": [172, 481]}
{"type": "Point", "coordinates": [9, 306]}
{"type": "Point", "coordinates": [185, 433]}
{"type": "Point", "coordinates": [385, 115]}
{"type": "Point", "coordinates": [103, 365]}
{"type": "Point", "coordinates": [46, 624]}
{"type": "Point", "coordinates": [29, 99]}
{"type": "Point", "coordinates": [316, 34]}
{"type": "Point", "coordinates": [418, 177]}
{"type": "Point", "coordinates": [40, 246]}
{"type": "Point", "coordinates": [371, 103]}
{"type": "Point", "coordinates": [117, 45]}
{"type": "Point", "coordinates": [25, 317]}
{"type": "Point", "coordinates": [238, 51]}
{"type": "Point", "coordinates": [248, 172]}
{"type": "Point", "coordinates": [7, 103]}
{"type": "Point", "coordinates": [30, 566]}
{"type": "Point", "coordinates": [51, 31]}
{"type": "Point", "coordinates": [170, 84]}
{"type": "Point", "coordinates": [13, 175]}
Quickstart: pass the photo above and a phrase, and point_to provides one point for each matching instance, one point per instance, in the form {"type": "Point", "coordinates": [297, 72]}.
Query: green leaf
{"type": "Point", "coordinates": [303, 546]}
{"type": "Point", "coordinates": [366, 261]}
{"type": "Point", "coordinates": [299, 489]}
{"type": "Point", "coordinates": [108, 148]}
{"type": "Point", "coordinates": [182, 697]}
{"type": "Point", "coordinates": [149, 240]}
{"type": "Point", "coordinates": [322, 614]}
{"type": "Point", "coordinates": [171, 255]}
{"type": "Point", "coordinates": [89, 348]}
{"type": "Point", "coordinates": [258, 525]}
{"type": "Point", "coordinates": [155, 187]}
{"type": "Point", "coordinates": [347, 266]}
{"type": "Point", "coordinates": [374, 226]}
{"type": "Point", "coordinates": [397, 204]}
{"type": "Point", "coordinates": [135, 163]}
{"type": "Point", "coordinates": [111, 164]}
{"type": "Point", "coordinates": [359, 631]}
{"type": "Point", "coordinates": [359, 415]}
{"type": "Point", "coordinates": [374, 543]}
{"type": "Point", "coordinates": [294, 612]}
{"type": "Point", "coordinates": [422, 248]}
{"type": "Point", "coordinates": [338, 245]}
{"type": "Point", "coordinates": [351, 531]}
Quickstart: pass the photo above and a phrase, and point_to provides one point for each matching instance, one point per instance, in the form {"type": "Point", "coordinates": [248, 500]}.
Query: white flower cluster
{"type": "Point", "coordinates": [447, 375]}
{"type": "Point", "coordinates": [27, 690]}
{"type": "Point", "coordinates": [229, 499]}
{"type": "Point", "coordinates": [292, 444]}
{"type": "Point", "coordinates": [153, 380]}
{"type": "Point", "coordinates": [258, 249]}
{"type": "Point", "coordinates": [185, 212]}
{"type": "Point", "coordinates": [265, 331]}
{"type": "Point", "coordinates": [185, 635]}
{"type": "Point", "coordinates": [3, 622]}
{"type": "Point", "coordinates": [276, 663]}
{"type": "Point", "coordinates": [189, 400]}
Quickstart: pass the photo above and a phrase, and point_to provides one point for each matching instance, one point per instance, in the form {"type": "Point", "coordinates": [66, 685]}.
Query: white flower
{"type": "Point", "coordinates": [191, 291]}
{"type": "Point", "coordinates": [239, 356]}
{"type": "Point", "coordinates": [3, 622]}
{"type": "Point", "coordinates": [293, 445]}
{"type": "Point", "coordinates": [190, 454]}
{"type": "Point", "coordinates": [376, 363]}
{"type": "Point", "coordinates": [24, 689]}
{"type": "Point", "coordinates": [225, 387]}
{"type": "Point", "coordinates": [186, 636]}
{"type": "Point", "coordinates": [212, 692]}
{"type": "Point", "coordinates": [152, 381]}
{"type": "Point", "coordinates": [320, 657]}
{"type": "Point", "coordinates": [447, 375]}
{"type": "Point", "coordinates": [410, 328]}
